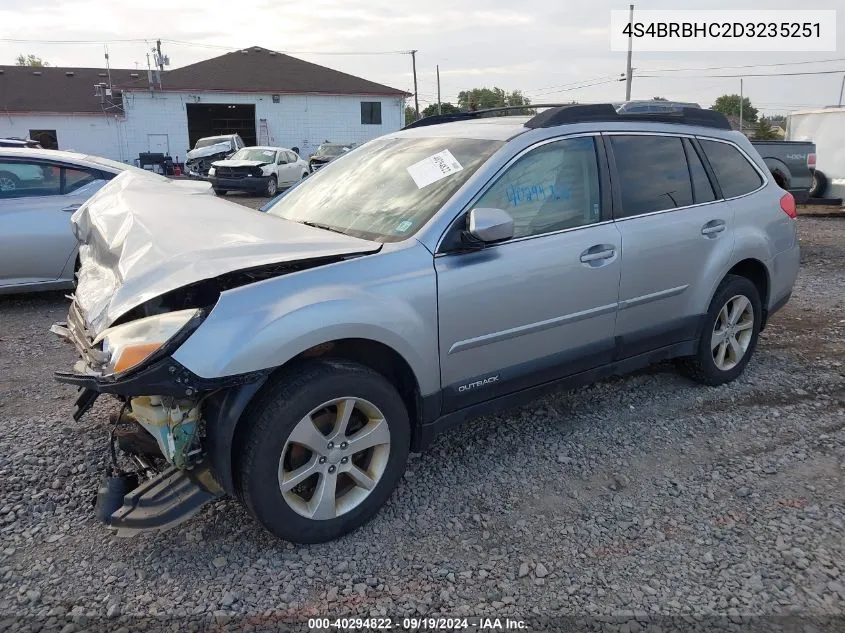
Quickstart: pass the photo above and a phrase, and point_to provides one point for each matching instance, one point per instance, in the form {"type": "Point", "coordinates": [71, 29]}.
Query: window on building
{"type": "Point", "coordinates": [46, 138]}
{"type": "Point", "coordinates": [371, 112]}
{"type": "Point", "coordinates": [653, 173]}
{"type": "Point", "coordinates": [735, 174]}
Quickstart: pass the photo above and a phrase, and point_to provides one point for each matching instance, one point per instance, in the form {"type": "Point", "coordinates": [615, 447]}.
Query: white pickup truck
{"type": "Point", "coordinates": [209, 149]}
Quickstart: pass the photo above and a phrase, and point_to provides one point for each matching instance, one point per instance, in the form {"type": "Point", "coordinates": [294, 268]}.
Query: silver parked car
{"type": "Point", "coordinates": [39, 190]}
{"type": "Point", "coordinates": [293, 358]}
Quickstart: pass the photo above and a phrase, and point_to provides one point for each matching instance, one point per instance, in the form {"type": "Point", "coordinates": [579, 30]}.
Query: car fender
{"type": "Point", "coordinates": [266, 324]}
{"type": "Point", "coordinates": [776, 165]}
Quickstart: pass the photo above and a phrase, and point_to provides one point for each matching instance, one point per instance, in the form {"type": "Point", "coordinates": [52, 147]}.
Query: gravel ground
{"type": "Point", "coordinates": [640, 498]}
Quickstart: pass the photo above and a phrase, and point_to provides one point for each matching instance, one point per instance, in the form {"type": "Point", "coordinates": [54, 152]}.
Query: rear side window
{"type": "Point", "coordinates": [702, 190]}
{"type": "Point", "coordinates": [735, 174]}
{"type": "Point", "coordinates": [652, 172]}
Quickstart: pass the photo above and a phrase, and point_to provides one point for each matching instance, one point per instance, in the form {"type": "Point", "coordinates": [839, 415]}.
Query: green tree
{"type": "Point", "coordinates": [30, 60]}
{"type": "Point", "coordinates": [445, 108]}
{"type": "Point", "coordinates": [410, 115]}
{"type": "Point", "coordinates": [729, 106]}
{"type": "Point", "coordinates": [481, 98]}
{"type": "Point", "coordinates": [763, 130]}
{"type": "Point", "coordinates": [658, 98]}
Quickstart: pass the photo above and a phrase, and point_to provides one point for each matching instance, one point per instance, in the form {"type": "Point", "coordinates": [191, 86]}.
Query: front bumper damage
{"type": "Point", "coordinates": [164, 437]}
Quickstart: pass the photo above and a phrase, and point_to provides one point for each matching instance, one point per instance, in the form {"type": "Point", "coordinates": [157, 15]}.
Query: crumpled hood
{"type": "Point", "coordinates": [141, 237]}
{"type": "Point", "coordinates": [209, 150]}
{"type": "Point", "coordinates": [241, 163]}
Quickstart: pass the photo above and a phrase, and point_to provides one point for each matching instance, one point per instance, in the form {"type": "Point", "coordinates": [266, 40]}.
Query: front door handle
{"type": "Point", "coordinates": [595, 254]}
{"type": "Point", "coordinates": [713, 228]}
{"type": "Point", "coordinates": [71, 208]}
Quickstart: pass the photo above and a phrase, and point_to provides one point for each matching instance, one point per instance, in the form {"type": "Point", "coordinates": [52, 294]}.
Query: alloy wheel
{"type": "Point", "coordinates": [334, 458]}
{"type": "Point", "coordinates": [7, 184]}
{"type": "Point", "coordinates": [732, 332]}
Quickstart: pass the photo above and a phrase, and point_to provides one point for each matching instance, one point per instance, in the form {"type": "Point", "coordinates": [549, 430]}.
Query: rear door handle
{"type": "Point", "coordinates": [713, 228]}
{"type": "Point", "coordinates": [71, 208]}
{"type": "Point", "coordinates": [593, 254]}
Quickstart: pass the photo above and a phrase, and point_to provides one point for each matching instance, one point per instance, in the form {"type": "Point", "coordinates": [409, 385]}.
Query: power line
{"type": "Point", "coordinates": [681, 70]}
{"type": "Point", "coordinates": [815, 72]}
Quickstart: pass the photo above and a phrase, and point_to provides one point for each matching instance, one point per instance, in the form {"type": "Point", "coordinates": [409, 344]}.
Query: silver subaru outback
{"type": "Point", "coordinates": [292, 358]}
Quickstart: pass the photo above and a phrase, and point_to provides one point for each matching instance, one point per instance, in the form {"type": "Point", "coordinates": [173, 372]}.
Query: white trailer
{"type": "Point", "coordinates": [826, 128]}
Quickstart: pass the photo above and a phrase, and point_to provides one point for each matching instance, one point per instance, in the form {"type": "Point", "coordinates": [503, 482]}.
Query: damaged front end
{"type": "Point", "coordinates": [170, 479]}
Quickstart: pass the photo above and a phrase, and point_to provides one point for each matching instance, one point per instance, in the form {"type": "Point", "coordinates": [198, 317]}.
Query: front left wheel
{"type": "Point", "coordinates": [272, 187]}
{"type": "Point", "coordinates": [322, 451]}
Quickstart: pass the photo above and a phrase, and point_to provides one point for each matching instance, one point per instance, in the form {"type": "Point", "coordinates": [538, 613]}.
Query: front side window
{"type": "Point", "coordinates": [386, 189]}
{"type": "Point", "coordinates": [74, 178]}
{"type": "Point", "coordinates": [551, 188]}
{"type": "Point", "coordinates": [27, 179]}
{"type": "Point", "coordinates": [735, 174]}
{"type": "Point", "coordinates": [653, 173]}
{"type": "Point", "coordinates": [371, 112]}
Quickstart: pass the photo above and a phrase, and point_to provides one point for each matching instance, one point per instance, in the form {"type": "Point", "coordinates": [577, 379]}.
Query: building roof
{"type": "Point", "coordinates": [257, 69]}
{"type": "Point", "coordinates": [250, 70]}
{"type": "Point", "coordinates": [59, 90]}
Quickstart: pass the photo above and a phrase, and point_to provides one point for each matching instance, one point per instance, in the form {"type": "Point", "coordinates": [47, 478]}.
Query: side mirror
{"type": "Point", "coordinates": [489, 225]}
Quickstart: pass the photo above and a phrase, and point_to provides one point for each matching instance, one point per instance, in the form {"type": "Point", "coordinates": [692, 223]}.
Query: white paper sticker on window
{"type": "Point", "coordinates": [434, 168]}
{"type": "Point", "coordinates": [268, 152]}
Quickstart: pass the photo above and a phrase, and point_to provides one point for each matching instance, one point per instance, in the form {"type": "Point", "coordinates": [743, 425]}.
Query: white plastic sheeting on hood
{"type": "Point", "coordinates": [142, 237]}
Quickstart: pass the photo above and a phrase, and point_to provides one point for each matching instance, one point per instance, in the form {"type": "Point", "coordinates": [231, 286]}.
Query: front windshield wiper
{"type": "Point", "coordinates": [326, 227]}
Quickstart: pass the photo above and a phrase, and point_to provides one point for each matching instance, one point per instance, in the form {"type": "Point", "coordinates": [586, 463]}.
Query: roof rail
{"type": "Point", "coordinates": [606, 112]}
{"type": "Point", "coordinates": [436, 119]}
{"type": "Point", "coordinates": [561, 114]}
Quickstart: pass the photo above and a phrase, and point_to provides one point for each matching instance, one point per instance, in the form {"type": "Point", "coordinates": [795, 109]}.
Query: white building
{"type": "Point", "coordinates": [262, 95]}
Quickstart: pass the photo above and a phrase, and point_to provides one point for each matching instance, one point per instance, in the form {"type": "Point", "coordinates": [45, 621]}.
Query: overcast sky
{"type": "Point", "coordinates": [547, 48]}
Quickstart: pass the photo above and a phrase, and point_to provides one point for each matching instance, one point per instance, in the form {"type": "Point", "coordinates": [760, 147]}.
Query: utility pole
{"type": "Point", "coordinates": [159, 63]}
{"type": "Point", "coordinates": [741, 99]}
{"type": "Point", "coordinates": [439, 109]}
{"type": "Point", "coordinates": [628, 71]}
{"type": "Point", "coordinates": [416, 97]}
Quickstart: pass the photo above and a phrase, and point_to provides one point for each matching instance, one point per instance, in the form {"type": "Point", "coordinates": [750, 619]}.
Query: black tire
{"type": "Point", "coordinates": [269, 423]}
{"type": "Point", "coordinates": [780, 180]}
{"type": "Point", "coordinates": [272, 187]}
{"type": "Point", "coordinates": [818, 186]}
{"type": "Point", "coordinates": [9, 177]}
{"type": "Point", "coordinates": [304, 175]}
{"type": "Point", "coordinates": [701, 367]}
{"type": "Point", "coordinates": [220, 192]}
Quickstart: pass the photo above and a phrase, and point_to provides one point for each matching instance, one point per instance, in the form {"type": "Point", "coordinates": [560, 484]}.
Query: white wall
{"type": "Point", "coordinates": [302, 121]}
{"type": "Point", "coordinates": [97, 134]}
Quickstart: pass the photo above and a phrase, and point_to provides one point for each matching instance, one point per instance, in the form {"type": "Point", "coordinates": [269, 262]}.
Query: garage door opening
{"type": "Point", "coordinates": [213, 119]}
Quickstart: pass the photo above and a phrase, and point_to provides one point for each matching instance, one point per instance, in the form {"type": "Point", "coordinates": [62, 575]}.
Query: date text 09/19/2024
{"type": "Point", "coordinates": [416, 624]}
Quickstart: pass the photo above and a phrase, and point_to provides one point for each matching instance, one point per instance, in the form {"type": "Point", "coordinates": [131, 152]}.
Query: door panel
{"type": "Point", "coordinates": [673, 238]}
{"type": "Point", "coordinates": [524, 313]}
{"type": "Point", "coordinates": [543, 305]}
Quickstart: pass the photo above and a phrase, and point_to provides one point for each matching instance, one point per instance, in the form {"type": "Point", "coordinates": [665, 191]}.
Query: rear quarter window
{"type": "Point", "coordinates": [735, 174]}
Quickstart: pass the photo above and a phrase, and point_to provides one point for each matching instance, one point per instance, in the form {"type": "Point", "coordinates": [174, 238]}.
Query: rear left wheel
{"type": "Point", "coordinates": [323, 451]}
{"type": "Point", "coordinates": [729, 334]}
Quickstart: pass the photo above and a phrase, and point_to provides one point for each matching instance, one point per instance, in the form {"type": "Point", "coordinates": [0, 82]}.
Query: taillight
{"type": "Point", "coordinates": [811, 161]}
{"type": "Point", "coordinates": [787, 203]}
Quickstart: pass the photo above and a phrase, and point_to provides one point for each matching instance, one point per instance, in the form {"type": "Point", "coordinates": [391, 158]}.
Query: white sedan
{"type": "Point", "coordinates": [259, 170]}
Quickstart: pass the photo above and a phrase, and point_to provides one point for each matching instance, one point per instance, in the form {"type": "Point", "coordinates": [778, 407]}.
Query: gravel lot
{"type": "Point", "coordinates": [639, 497]}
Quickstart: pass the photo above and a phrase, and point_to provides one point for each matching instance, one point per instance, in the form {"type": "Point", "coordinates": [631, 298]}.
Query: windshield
{"type": "Point", "coordinates": [387, 189]}
{"type": "Point", "coordinates": [331, 150]}
{"type": "Point", "coordinates": [255, 153]}
{"type": "Point", "coordinates": [212, 140]}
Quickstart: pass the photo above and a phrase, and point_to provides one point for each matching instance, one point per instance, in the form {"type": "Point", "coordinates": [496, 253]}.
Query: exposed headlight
{"type": "Point", "coordinates": [132, 343]}
{"type": "Point", "coordinates": [212, 171]}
